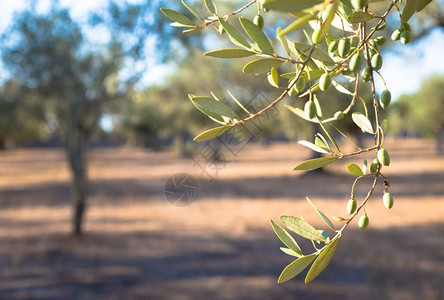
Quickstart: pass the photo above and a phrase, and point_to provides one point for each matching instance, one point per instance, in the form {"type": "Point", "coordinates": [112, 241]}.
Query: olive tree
{"type": "Point", "coordinates": [341, 43]}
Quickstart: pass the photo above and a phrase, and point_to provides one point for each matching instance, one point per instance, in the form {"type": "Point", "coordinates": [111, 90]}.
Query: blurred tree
{"type": "Point", "coordinates": [422, 112]}
{"type": "Point", "coordinates": [76, 79]}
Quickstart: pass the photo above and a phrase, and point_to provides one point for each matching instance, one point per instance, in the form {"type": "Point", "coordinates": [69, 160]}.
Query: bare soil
{"type": "Point", "coordinates": [138, 246]}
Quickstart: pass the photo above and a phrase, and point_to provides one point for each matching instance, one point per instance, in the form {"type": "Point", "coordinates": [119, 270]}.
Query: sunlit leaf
{"type": "Point", "coordinates": [362, 122]}
{"type": "Point", "coordinates": [229, 53]}
{"type": "Point", "coordinates": [177, 17]}
{"type": "Point", "coordinates": [211, 133]}
{"type": "Point", "coordinates": [364, 167]}
{"type": "Point", "coordinates": [261, 66]}
{"type": "Point", "coordinates": [289, 252]}
{"type": "Point", "coordinates": [210, 6]}
{"type": "Point", "coordinates": [286, 238]}
{"type": "Point", "coordinates": [295, 25]}
{"type": "Point", "coordinates": [324, 217]}
{"type": "Point", "coordinates": [235, 36]}
{"type": "Point", "coordinates": [409, 10]}
{"type": "Point", "coordinates": [257, 35]}
{"type": "Point", "coordinates": [315, 163]}
{"type": "Point", "coordinates": [340, 88]}
{"type": "Point", "coordinates": [321, 142]}
{"type": "Point", "coordinates": [322, 261]}
{"type": "Point", "coordinates": [273, 77]}
{"type": "Point", "coordinates": [422, 4]}
{"type": "Point", "coordinates": [312, 147]}
{"type": "Point", "coordinates": [289, 5]}
{"type": "Point", "coordinates": [302, 228]}
{"type": "Point", "coordinates": [317, 53]}
{"type": "Point", "coordinates": [192, 10]}
{"type": "Point", "coordinates": [296, 267]}
{"type": "Point", "coordinates": [354, 169]}
{"type": "Point", "coordinates": [216, 110]}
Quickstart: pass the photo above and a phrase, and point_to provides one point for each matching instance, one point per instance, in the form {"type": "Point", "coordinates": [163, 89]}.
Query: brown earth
{"type": "Point", "coordinates": [138, 246]}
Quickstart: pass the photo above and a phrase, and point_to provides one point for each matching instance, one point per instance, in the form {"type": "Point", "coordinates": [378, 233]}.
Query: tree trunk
{"type": "Point", "coordinates": [76, 147]}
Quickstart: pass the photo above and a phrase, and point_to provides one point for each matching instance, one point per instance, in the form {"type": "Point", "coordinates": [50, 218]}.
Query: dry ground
{"type": "Point", "coordinates": [138, 246]}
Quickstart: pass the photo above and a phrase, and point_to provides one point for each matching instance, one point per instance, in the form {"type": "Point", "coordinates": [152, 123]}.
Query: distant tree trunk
{"type": "Point", "coordinates": [439, 142]}
{"type": "Point", "coordinates": [76, 147]}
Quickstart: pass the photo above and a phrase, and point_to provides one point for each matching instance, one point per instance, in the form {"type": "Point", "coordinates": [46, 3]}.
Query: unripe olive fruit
{"type": "Point", "coordinates": [396, 35]}
{"type": "Point", "coordinates": [377, 62]}
{"type": "Point", "coordinates": [385, 98]}
{"type": "Point", "coordinates": [310, 109]}
{"type": "Point", "coordinates": [317, 37]}
{"type": "Point", "coordinates": [383, 157]}
{"type": "Point", "coordinates": [351, 206]}
{"type": "Point", "coordinates": [355, 62]}
{"type": "Point", "coordinates": [388, 201]}
{"type": "Point", "coordinates": [333, 46]}
{"type": "Point", "coordinates": [406, 26]}
{"type": "Point", "coordinates": [382, 27]}
{"type": "Point", "coordinates": [344, 47]}
{"type": "Point", "coordinates": [405, 37]}
{"type": "Point", "coordinates": [374, 166]}
{"type": "Point", "coordinates": [324, 82]}
{"type": "Point", "coordinates": [359, 4]}
{"type": "Point", "coordinates": [258, 20]}
{"type": "Point", "coordinates": [365, 74]}
{"type": "Point", "coordinates": [339, 115]}
{"type": "Point", "coordinates": [380, 40]}
{"type": "Point", "coordinates": [363, 222]}
{"type": "Point", "coordinates": [300, 84]}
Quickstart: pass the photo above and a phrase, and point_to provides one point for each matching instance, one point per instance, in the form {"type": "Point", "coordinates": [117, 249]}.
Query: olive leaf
{"type": "Point", "coordinates": [229, 53]}
{"type": "Point", "coordinates": [192, 10]}
{"type": "Point", "coordinates": [216, 110]}
{"type": "Point", "coordinates": [210, 6]}
{"type": "Point", "coordinates": [211, 133]}
{"type": "Point", "coordinates": [298, 23]}
{"type": "Point", "coordinates": [315, 163]}
{"type": "Point", "coordinates": [260, 66]}
{"type": "Point", "coordinates": [354, 169]}
{"type": "Point", "coordinates": [286, 238]}
{"type": "Point", "coordinates": [409, 10]}
{"type": "Point", "coordinates": [324, 217]}
{"type": "Point", "coordinates": [289, 252]}
{"type": "Point", "coordinates": [296, 267]}
{"type": "Point", "coordinates": [362, 122]}
{"type": "Point", "coordinates": [289, 5]}
{"type": "Point", "coordinates": [302, 228]}
{"type": "Point", "coordinates": [235, 36]}
{"type": "Point", "coordinates": [177, 17]}
{"type": "Point", "coordinates": [360, 16]}
{"type": "Point", "coordinates": [257, 35]}
{"type": "Point", "coordinates": [313, 147]}
{"type": "Point", "coordinates": [322, 261]}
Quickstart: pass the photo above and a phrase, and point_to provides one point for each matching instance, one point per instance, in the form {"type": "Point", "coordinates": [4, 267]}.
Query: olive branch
{"type": "Point", "coordinates": [314, 69]}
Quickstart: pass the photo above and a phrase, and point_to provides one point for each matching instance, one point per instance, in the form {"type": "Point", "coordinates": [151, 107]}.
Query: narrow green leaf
{"type": "Point", "coordinates": [283, 41]}
{"type": "Point", "coordinates": [323, 217]}
{"type": "Point", "coordinates": [257, 35]}
{"type": "Point", "coordinates": [239, 103]}
{"type": "Point", "coordinates": [364, 167]}
{"type": "Point", "coordinates": [299, 23]}
{"type": "Point", "coordinates": [289, 5]}
{"type": "Point", "coordinates": [302, 228]}
{"type": "Point", "coordinates": [286, 238]}
{"type": "Point", "coordinates": [210, 6]}
{"type": "Point", "coordinates": [330, 137]}
{"type": "Point", "coordinates": [422, 4]}
{"type": "Point", "coordinates": [317, 53]}
{"type": "Point", "coordinates": [235, 36]}
{"type": "Point", "coordinates": [409, 10]}
{"type": "Point", "coordinates": [211, 133]}
{"type": "Point", "coordinates": [216, 110]}
{"type": "Point", "coordinates": [340, 88]}
{"type": "Point", "coordinates": [360, 16]}
{"type": "Point", "coordinates": [315, 163]}
{"type": "Point", "coordinates": [362, 122]}
{"type": "Point", "coordinates": [313, 147]}
{"type": "Point", "coordinates": [177, 17]}
{"type": "Point", "coordinates": [289, 252]}
{"type": "Point", "coordinates": [296, 267]}
{"type": "Point", "coordinates": [192, 10]}
{"type": "Point", "coordinates": [260, 66]}
{"type": "Point", "coordinates": [322, 261]}
{"type": "Point", "coordinates": [330, 12]}
{"type": "Point", "coordinates": [229, 53]}
{"type": "Point", "coordinates": [354, 169]}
